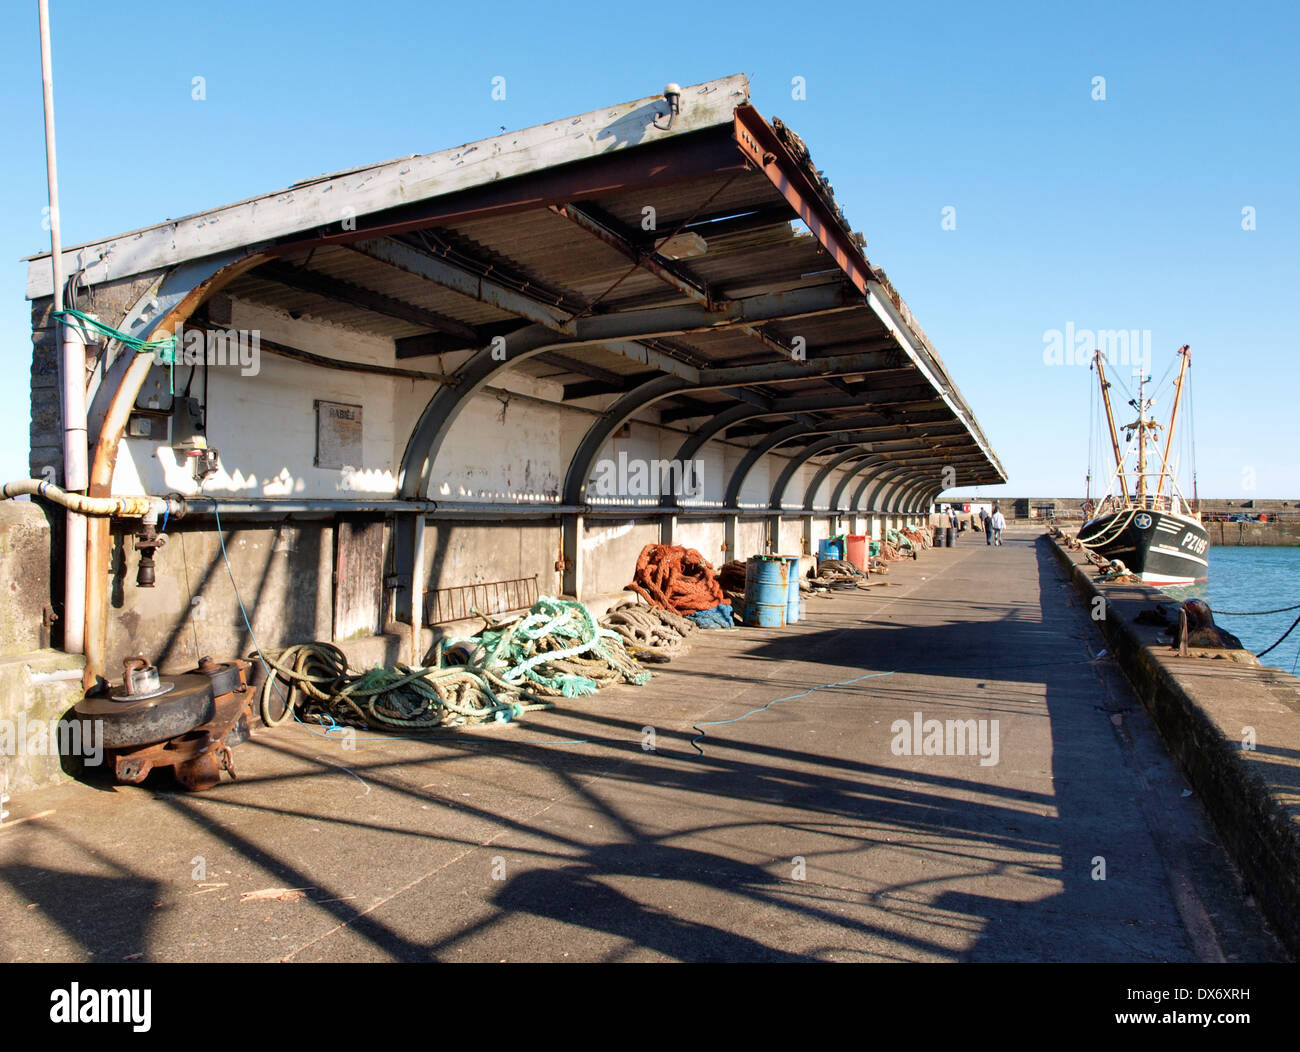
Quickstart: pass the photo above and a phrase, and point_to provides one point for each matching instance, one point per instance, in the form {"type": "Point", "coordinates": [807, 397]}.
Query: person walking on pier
{"type": "Point", "coordinates": [952, 518]}
{"type": "Point", "coordinates": [986, 520]}
{"type": "Point", "coordinates": [999, 523]}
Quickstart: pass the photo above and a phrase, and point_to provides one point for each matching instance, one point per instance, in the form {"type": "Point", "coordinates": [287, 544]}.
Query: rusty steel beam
{"type": "Point", "coordinates": [759, 143]}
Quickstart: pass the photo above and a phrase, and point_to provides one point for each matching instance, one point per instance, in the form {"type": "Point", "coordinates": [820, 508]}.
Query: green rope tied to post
{"type": "Point", "coordinates": [163, 348]}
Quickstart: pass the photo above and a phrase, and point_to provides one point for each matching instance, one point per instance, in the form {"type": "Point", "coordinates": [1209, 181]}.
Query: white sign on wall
{"type": "Point", "coordinates": [338, 435]}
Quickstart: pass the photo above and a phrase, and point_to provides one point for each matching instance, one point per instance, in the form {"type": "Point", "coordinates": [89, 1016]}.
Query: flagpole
{"type": "Point", "coordinates": [72, 375]}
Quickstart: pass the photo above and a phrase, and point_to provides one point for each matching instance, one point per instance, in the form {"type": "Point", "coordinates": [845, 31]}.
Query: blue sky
{"type": "Point", "coordinates": [1122, 213]}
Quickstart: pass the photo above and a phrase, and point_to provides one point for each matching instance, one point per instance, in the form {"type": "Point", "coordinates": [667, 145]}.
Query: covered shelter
{"type": "Point", "coordinates": [454, 380]}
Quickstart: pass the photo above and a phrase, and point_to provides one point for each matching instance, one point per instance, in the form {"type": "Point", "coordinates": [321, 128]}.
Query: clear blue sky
{"type": "Point", "coordinates": [1117, 214]}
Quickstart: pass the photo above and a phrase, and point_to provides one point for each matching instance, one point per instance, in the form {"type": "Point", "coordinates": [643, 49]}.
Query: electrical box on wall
{"type": "Point", "coordinates": [189, 429]}
{"type": "Point", "coordinates": [153, 426]}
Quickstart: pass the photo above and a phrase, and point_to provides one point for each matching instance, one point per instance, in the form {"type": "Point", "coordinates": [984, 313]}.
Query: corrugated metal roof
{"type": "Point", "coordinates": [518, 250]}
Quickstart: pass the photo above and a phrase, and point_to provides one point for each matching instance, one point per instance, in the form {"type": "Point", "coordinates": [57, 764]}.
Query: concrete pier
{"type": "Point", "coordinates": [817, 828]}
{"type": "Point", "coordinates": [1232, 723]}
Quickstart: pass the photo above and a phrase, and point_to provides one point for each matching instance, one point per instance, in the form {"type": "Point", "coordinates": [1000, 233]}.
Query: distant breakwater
{"type": "Point", "coordinates": [1253, 534]}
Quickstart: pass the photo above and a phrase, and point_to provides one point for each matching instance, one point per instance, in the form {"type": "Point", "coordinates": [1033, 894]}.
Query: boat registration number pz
{"type": "Point", "coordinates": [1194, 544]}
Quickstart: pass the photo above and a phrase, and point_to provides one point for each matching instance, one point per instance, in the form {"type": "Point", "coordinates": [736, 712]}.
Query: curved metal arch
{"type": "Point", "coordinates": [693, 443]}
{"type": "Point", "coordinates": [901, 486]}
{"type": "Point", "coordinates": [842, 486]}
{"type": "Point", "coordinates": [911, 499]}
{"type": "Point", "coordinates": [909, 496]}
{"type": "Point", "coordinates": [810, 494]}
{"type": "Point", "coordinates": [903, 498]}
{"type": "Point", "coordinates": [434, 423]}
{"type": "Point", "coordinates": [927, 498]}
{"type": "Point", "coordinates": [811, 450]}
{"type": "Point", "coordinates": [719, 422]}
{"type": "Point", "coordinates": [633, 401]}
{"type": "Point", "coordinates": [623, 409]}
{"type": "Point", "coordinates": [877, 482]}
{"type": "Point", "coordinates": [797, 430]}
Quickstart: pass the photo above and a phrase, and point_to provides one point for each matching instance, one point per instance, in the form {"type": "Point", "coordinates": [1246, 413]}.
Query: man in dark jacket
{"type": "Point", "coordinates": [987, 521]}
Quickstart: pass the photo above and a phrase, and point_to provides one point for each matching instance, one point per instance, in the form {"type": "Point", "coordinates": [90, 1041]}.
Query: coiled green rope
{"type": "Point", "coordinates": [557, 649]}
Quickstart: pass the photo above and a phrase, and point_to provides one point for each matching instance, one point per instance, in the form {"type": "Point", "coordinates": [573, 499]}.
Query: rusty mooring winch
{"type": "Point", "coordinates": [187, 722]}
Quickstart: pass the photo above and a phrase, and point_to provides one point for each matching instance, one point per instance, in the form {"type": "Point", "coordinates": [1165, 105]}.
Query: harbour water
{"type": "Point", "coordinates": [1253, 579]}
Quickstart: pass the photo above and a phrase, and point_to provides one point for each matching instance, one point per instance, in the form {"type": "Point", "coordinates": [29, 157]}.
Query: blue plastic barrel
{"type": "Point", "coordinates": [792, 596]}
{"type": "Point", "coordinates": [831, 548]}
{"type": "Point", "coordinates": [767, 590]}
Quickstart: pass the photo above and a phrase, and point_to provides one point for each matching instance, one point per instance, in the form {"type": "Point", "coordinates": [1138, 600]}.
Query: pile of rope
{"type": "Point", "coordinates": [920, 538]}
{"type": "Point", "coordinates": [900, 544]}
{"type": "Point", "coordinates": [1115, 570]}
{"type": "Point", "coordinates": [323, 687]}
{"type": "Point", "coordinates": [557, 649]}
{"type": "Point", "coordinates": [649, 632]}
{"type": "Point", "coordinates": [681, 580]}
{"type": "Point", "coordinates": [731, 576]}
{"type": "Point", "coordinates": [837, 573]}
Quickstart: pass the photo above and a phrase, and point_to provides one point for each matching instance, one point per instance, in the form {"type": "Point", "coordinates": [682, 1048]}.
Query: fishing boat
{"type": "Point", "coordinates": [1142, 519]}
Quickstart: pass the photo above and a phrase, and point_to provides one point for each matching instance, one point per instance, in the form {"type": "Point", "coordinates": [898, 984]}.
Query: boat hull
{"type": "Point", "coordinates": [1160, 547]}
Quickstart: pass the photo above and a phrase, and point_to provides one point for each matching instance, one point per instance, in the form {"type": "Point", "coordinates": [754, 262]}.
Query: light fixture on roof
{"type": "Point", "coordinates": [682, 246]}
{"type": "Point", "coordinates": [673, 94]}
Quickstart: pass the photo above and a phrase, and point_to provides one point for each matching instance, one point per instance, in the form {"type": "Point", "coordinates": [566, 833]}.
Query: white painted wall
{"type": "Point", "coordinates": [264, 425]}
{"type": "Point", "coordinates": [706, 537]}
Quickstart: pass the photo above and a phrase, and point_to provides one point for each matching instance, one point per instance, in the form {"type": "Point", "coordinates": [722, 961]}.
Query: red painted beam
{"type": "Point", "coordinates": [760, 144]}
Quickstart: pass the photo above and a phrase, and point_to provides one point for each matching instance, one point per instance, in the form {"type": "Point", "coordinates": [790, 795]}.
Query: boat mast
{"type": "Point", "coordinates": [1110, 421]}
{"type": "Point", "coordinates": [1142, 438]}
{"type": "Point", "coordinates": [1184, 352]}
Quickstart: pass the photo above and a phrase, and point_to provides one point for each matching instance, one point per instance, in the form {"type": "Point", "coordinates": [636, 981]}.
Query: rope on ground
{"type": "Point", "coordinates": [838, 573]}
{"type": "Point", "coordinates": [324, 687]}
{"type": "Point", "coordinates": [680, 579]}
{"type": "Point", "coordinates": [507, 670]}
{"type": "Point", "coordinates": [648, 632]}
{"type": "Point", "coordinates": [557, 649]}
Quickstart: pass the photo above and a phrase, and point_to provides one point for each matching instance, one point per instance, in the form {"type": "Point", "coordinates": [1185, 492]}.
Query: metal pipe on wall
{"type": "Point", "coordinates": [72, 376]}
